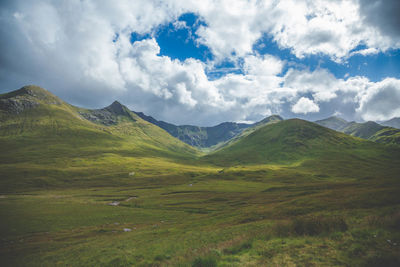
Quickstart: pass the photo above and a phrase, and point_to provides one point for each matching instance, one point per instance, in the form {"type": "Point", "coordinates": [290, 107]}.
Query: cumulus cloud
{"type": "Point", "coordinates": [321, 83]}
{"type": "Point", "coordinates": [383, 15]}
{"type": "Point", "coordinates": [82, 51]}
{"type": "Point", "coordinates": [333, 28]}
{"type": "Point", "coordinates": [381, 100]}
{"type": "Point", "coordinates": [305, 105]}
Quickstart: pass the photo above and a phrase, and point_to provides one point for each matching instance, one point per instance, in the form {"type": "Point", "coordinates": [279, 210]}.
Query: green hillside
{"type": "Point", "coordinates": [266, 121]}
{"type": "Point", "coordinates": [46, 141]}
{"type": "Point", "coordinates": [290, 141]}
{"type": "Point", "coordinates": [104, 187]}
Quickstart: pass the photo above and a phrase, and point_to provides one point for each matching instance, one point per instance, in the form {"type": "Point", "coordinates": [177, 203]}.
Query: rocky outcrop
{"type": "Point", "coordinates": [101, 116]}
{"type": "Point", "coordinates": [16, 106]}
{"type": "Point", "coordinates": [25, 98]}
{"type": "Point", "coordinates": [108, 115]}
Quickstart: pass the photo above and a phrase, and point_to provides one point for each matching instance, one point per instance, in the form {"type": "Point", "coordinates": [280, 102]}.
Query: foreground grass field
{"type": "Point", "coordinates": [244, 216]}
{"type": "Point", "coordinates": [76, 193]}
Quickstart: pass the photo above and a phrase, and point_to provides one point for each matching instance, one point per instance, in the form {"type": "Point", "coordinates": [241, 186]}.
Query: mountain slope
{"type": "Point", "coordinates": [368, 130]}
{"type": "Point", "coordinates": [394, 123]}
{"type": "Point", "coordinates": [200, 136]}
{"type": "Point", "coordinates": [363, 130]}
{"type": "Point", "coordinates": [33, 110]}
{"type": "Point", "coordinates": [334, 123]}
{"type": "Point", "coordinates": [290, 141]}
{"type": "Point", "coordinates": [55, 140]}
{"type": "Point", "coordinates": [266, 121]}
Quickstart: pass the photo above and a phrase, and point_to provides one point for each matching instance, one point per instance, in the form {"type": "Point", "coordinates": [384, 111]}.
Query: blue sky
{"type": "Point", "coordinates": [206, 62]}
{"type": "Point", "coordinates": [180, 43]}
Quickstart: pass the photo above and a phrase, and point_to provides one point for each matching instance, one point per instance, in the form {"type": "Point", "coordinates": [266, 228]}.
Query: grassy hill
{"type": "Point", "coordinates": [290, 141]}
{"type": "Point", "coordinates": [103, 187]}
{"type": "Point", "coordinates": [46, 141]}
{"type": "Point", "coordinates": [368, 130]}
{"type": "Point", "coordinates": [266, 121]}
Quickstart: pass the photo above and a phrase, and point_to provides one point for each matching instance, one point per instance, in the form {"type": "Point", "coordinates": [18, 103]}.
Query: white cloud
{"type": "Point", "coordinates": [333, 28]}
{"type": "Point", "coordinates": [305, 105]}
{"type": "Point", "coordinates": [381, 100]}
{"type": "Point", "coordinates": [81, 50]}
{"type": "Point", "coordinates": [321, 83]}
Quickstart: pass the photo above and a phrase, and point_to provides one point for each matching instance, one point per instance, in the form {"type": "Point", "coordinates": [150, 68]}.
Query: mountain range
{"type": "Point", "coordinates": [29, 97]}
{"type": "Point", "coordinates": [368, 130]}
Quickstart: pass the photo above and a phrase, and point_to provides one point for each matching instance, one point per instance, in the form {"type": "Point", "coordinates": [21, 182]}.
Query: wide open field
{"type": "Point", "coordinates": [305, 214]}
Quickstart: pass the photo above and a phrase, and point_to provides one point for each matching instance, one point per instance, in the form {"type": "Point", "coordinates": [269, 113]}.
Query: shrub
{"type": "Point", "coordinates": [318, 225]}
{"type": "Point", "coordinates": [379, 260]}
{"type": "Point", "coordinates": [209, 261]}
{"type": "Point", "coordinates": [311, 226]}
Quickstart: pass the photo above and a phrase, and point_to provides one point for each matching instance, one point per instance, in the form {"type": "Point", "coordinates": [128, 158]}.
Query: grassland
{"type": "Point", "coordinates": [76, 193]}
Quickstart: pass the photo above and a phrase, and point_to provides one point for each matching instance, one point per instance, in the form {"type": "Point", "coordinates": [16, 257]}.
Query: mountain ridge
{"type": "Point", "coordinates": [290, 140]}
{"type": "Point", "coordinates": [205, 137]}
{"type": "Point", "coordinates": [214, 137]}
{"type": "Point", "coordinates": [369, 130]}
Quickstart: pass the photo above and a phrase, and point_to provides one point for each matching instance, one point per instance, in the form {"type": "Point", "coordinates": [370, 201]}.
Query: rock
{"type": "Point", "coordinates": [127, 230]}
{"type": "Point", "coordinates": [114, 203]}
{"type": "Point", "coordinates": [100, 116]}
{"type": "Point", "coordinates": [16, 106]}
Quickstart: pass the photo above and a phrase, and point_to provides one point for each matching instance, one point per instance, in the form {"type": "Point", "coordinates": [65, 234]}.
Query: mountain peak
{"type": "Point", "coordinates": [118, 109]}
{"type": "Point", "coordinates": [27, 97]}
{"type": "Point", "coordinates": [336, 118]}
{"type": "Point", "coordinates": [270, 119]}
{"type": "Point", "coordinates": [334, 123]}
{"type": "Point", "coordinates": [31, 91]}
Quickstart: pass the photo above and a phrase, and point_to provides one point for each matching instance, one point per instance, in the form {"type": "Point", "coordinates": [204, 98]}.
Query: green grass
{"type": "Point", "coordinates": [287, 194]}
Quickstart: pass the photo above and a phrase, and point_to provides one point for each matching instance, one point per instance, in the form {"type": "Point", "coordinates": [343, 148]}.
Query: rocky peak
{"type": "Point", "coordinates": [25, 98]}
{"type": "Point", "coordinates": [118, 109]}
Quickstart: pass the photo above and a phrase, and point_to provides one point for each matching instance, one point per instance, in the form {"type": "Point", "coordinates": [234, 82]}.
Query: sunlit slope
{"type": "Point", "coordinates": [42, 136]}
{"type": "Point", "coordinates": [296, 140]}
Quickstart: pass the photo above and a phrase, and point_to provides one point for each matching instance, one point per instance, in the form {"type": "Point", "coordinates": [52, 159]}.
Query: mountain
{"type": "Point", "coordinates": [363, 130]}
{"type": "Point", "coordinates": [61, 140]}
{"type": "Point", "coordinates": [368, 130]}
{"type": "Point", "coordinates": [200, 136]}
{"type": "Point", "coordinates": [334, 123]}
{"type": "Point", "coordinates": [394, 123]}
{"type": "Point", "coordinates": [266, 121]}
{"type": "Point", "coordinates": [291, 141]}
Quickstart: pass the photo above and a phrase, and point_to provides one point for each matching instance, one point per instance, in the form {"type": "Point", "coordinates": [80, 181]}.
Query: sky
{"type": "Point", "coordinates": [207, 62]}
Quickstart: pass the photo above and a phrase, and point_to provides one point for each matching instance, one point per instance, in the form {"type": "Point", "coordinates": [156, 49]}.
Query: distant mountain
{"type": "Point", "coordinates": [205, 136]}
{"type": "Point", "coordinates": [395, 123]}
{"type": "Point", "coordinates": [290, 141]}
{"type": "Point", "coordinates": [368, 130]}
{"type": "Point", "coordinates": [334, 123]}
{"type": "Point", "coordinates": [266, 121]}
{"type": "Point", "coordinates": [363, 130]}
